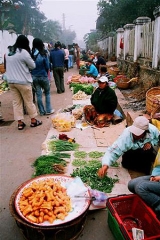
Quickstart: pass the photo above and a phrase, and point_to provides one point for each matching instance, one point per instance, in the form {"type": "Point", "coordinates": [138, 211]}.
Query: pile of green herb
{"type": "Point", "coordinates": [48, 164]}
{"type": "Point", "coordinates": [88, 175]}
{"type": "Point", "coordinates": [78, 162]}
{"type": "Point", "coordinates": [80, 154]}
{"type": "Point", "coordinates": [62, 146]}
{"type": "Point", "coordinates": [87, 88]}
{"type": "Point", "coordinates": [95, 154]}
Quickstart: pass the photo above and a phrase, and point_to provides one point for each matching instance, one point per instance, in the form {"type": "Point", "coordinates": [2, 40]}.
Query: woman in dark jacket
{"type": "Point", "coordinates": [100, 61]}
{"type": "Point", "coordinates": [104, 102]}
{"type": "Point", "coordinates": [40, 77]}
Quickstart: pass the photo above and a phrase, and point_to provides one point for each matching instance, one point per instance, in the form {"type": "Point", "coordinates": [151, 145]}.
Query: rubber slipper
{"type": "Point", "coordinates": [36, 124]}
{"type": "Point", "coordinates": [21, 126]}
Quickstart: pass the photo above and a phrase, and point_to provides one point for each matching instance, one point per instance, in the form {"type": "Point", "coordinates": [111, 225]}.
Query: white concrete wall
{"type": "Point", "coordinates": [7, 39]}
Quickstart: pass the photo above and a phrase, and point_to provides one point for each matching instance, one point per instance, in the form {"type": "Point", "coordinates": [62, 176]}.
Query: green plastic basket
{"type": "Point", "coordinates": [114, 227]}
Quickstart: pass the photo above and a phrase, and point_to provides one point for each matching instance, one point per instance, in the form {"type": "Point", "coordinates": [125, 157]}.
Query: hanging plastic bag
{"type": "Point", "coordinates": [99, 199]}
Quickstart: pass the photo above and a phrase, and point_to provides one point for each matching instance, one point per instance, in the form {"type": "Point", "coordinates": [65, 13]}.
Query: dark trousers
{"type": "Point", "coordinates": [139, 160]}
{"type": "Point", "coordinates": [66, 64]}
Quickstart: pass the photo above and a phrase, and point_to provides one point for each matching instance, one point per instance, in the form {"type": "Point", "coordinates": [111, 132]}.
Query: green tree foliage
{"type": "Point", "coordinates": [90, 40]}
{"type": "Point", "coordinates": [116, 13]}
{"type": "Point", "coordinates": [51, 31]}
{"type": "Point", "coordinates": [25, 18]}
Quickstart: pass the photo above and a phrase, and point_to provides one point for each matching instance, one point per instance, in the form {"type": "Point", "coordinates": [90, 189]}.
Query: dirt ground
{"type": "Point", "coordinates": [19, 149]}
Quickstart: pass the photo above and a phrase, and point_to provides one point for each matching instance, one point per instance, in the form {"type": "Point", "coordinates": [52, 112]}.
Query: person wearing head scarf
{"type": "Point", "coordinates": [18, 66]}
{"type": "Point", "coordinates": [104, 102]}
{"type": "Point", "coordinates": [40, 77]}
{"type": "Point", "coordinates": [135, 145]}
{"type": "Point", "coordinates": [57, 58]}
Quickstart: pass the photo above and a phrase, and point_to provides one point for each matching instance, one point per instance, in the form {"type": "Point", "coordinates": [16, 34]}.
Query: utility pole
{"type": "Point", "coordinates": [63, 22]}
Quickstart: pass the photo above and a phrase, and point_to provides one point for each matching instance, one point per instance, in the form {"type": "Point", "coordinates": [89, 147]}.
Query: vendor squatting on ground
{"type": "Point", "coordinates": [135, 145]}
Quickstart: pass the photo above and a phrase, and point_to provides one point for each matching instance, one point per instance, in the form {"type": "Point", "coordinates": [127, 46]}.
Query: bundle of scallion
{"type": "Point", "coordinates": [62, 146]}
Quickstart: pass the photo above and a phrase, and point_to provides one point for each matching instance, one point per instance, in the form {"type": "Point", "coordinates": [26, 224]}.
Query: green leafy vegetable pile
{"type": "Point", "coordinates": [48, 164]}
{"type": "Point", "coordinates": [80, 154]}
{"type": "Point", "coordinates": [88, 174]}
{"type": "Point", "coordinates": [87, 88]}
{"type": "Point", "coordinates": [95, 154]}
{"type": "Point", "coordinates": [78, 162]}
{"type": "Point", "coordinates": [62, 146]}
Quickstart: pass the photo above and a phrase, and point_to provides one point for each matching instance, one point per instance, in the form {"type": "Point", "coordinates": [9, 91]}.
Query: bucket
{"type": "Point", "coordinates": [66, 231]}
{"type": "Point", "coordinates": [152, 95]}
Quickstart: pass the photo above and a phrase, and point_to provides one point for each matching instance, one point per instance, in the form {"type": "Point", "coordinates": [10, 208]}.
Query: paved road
{"type": "Point", "coordinates": [18, 150]}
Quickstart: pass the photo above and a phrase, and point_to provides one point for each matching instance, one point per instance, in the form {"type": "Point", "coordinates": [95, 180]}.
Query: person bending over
{"type": "Point", "coordinates": [92, 70]}
{"type": "Point", "coordinates": [135, 145]}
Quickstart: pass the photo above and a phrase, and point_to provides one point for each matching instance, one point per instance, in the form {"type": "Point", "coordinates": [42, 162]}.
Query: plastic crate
{"type": "Point", "coordinates": [114, 227]}
{"type": "Point", "coordinates": [130, 211]}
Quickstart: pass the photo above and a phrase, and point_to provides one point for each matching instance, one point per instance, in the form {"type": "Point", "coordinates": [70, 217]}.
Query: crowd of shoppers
{"type": "Point", "coordinates": [27, 71]}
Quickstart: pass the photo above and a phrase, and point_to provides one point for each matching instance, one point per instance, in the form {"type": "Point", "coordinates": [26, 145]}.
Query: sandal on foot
{"type": "Point", "coordinates": [36, 123]}
{"type": "Point", "coordinates": [21, 126]}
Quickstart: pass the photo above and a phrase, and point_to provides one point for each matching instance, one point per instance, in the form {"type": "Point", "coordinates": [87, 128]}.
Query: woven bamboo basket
{"type": "Point", "coordinates": [123, 83]}
{"type": "Point", "coordinates": [113, 71]}
{"type": "Point", "coordinates": [152, 99]}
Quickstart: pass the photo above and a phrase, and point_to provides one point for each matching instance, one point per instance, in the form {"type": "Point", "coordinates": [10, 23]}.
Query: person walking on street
{"type": "Point", "coordinates": [70, 58]}
{"type": "Point", "coordinates": [18, 66]}
{"type": "Point", "coordinates": [57, 61]}
{"type": "Point", "coordinates": [66, 58]}
{"type": "Point", "coordinates": [135, 145]}
{"type": "Point", "coordinates": [40, 77]}
{"type": "Point", "coordinates": [77, 55]}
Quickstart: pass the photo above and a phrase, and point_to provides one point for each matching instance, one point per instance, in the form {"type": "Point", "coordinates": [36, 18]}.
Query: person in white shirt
{"type": "Point", "coordinates": [66, 58]}
{"type": "Point", "coordinates": [18, 66]}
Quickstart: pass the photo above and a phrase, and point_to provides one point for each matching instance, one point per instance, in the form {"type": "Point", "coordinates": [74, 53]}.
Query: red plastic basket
{"type": "Point", "coordinates": [130, 211]}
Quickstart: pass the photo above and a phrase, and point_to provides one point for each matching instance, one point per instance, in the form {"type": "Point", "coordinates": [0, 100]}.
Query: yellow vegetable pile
{"type": "Point", "coordinates": [63, 122]}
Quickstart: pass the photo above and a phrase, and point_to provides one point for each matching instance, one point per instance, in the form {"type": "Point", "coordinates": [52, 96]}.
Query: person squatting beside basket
{"type": "Point", "coordinates": [18, 66]}
{"type": "Point", "coordinates": [135, 145]}
{"type": "Point", "coordinates": [104, 102]}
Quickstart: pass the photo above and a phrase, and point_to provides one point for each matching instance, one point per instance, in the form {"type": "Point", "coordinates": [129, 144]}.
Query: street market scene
{"type": "Point", "coordinates": [80, 130]}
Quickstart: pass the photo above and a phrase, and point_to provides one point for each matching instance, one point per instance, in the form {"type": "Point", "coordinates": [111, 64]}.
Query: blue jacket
{"type": "Point", "coordinates": [42, 66]}
{"type": "Point", "coordinates": [57, 57]}
{"type": "Point", "coordinates": [93, 70]}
